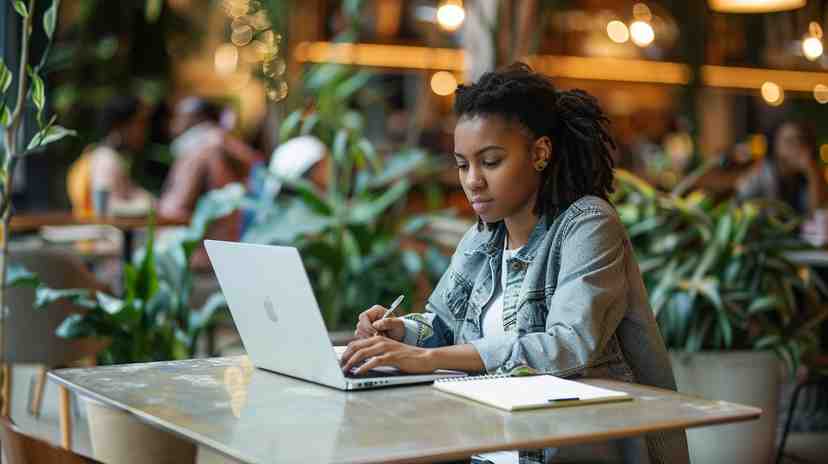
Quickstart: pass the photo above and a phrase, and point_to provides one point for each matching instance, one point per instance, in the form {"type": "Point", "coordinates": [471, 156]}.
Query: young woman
{"type": "Point", "coordinates": [547, 279]}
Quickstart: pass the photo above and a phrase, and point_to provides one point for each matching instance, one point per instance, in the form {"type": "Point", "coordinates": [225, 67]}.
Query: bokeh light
{"type": "Point", "coordinates": [812, 48]}
{"type": "Point", "coordinates": [450, 16]}
{"type": "Point", "coordinates": [226, 59]}
{"type": "Point", "coordinates": [443, 83]}
{"type": "Point", "coordinates": [642, 33]}
{"type": "Point", "coordinates": [772, 93]}
{"type": "Point", "coordinates": [821, 93]}
{"type": "Point", "coordinates": [617, 31]}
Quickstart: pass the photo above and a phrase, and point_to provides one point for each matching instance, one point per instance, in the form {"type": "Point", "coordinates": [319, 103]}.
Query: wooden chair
{"type": "Point", "coordinates": [30, 334]}
{"type": "Point", "coordinates": [20, 448]}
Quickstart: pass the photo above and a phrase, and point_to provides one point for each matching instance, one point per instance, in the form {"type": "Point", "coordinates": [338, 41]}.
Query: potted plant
{"type": "Point", "coordinates": [152, 321]}
{"type": "Point", "coordinates": [727, 298]}
{"type": "Point", "coordinates": [14, 107]}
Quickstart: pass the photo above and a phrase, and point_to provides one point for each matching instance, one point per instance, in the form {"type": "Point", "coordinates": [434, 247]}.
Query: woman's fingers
{"type": "Point", "coordinates": [376, 361]}
{"type": "Point", "coordinates": [362, 350]}
{"type": "Point", "coordinates": [365, 326]}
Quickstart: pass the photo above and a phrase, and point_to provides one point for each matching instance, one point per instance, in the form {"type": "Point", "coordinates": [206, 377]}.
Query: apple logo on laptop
{"type": "Point", "coordinates": [270, 310]}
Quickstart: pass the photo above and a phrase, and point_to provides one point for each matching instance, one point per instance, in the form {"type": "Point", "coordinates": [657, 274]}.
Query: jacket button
{"type": "Point", "coordinates": [517, 265]}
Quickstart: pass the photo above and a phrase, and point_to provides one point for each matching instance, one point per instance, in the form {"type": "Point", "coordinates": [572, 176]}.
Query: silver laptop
{"type": "Point", "coordinates": [281, 327]}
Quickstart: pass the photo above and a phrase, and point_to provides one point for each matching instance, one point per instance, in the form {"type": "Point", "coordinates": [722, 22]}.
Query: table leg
{"type": "Point", "coordinates": [7, 387]}
{"type": "Point", "coordinates": [65, 418]}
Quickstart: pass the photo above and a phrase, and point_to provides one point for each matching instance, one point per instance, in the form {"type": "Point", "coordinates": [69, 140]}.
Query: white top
{"type": "Point", "coordinates": [493, 312]}
{"type": "Point", "coordinates": [493, 325]}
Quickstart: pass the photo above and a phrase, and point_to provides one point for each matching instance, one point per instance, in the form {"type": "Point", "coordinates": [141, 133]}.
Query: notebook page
{"type": "Point", "coordinates": [512, 393]}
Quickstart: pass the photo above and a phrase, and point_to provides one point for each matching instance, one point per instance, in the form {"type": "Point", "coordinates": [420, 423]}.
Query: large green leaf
{"type": "Point", "coordinates": [19, 276]}
{"type": "Point", "coordinates": [289, 126]}
{"type": "Point", "coordinates": [5, 77]}
{"type": "Point", "coordinates": [75, 326]}
{"type": "Point", "coordinates": [49, 135]}
{"type": "Point", "coordinates": [20, 8]}
{"type": "Point", "coordinates": [361, 211]}
{"type": "Point", "coordinates": [50, 19]}
{"type": "Point", "coordinates": [45, 296]}
{"type": "Point", "coordinates": [38, 90]}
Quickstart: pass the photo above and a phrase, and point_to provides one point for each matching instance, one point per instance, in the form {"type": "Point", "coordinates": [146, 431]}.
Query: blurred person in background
{"type": "Point", "coordinates": [790, 171]}
{"type": "Point", "coordinates": [206, 157]}
{"type": "Point", "coordinates": [99, 181]}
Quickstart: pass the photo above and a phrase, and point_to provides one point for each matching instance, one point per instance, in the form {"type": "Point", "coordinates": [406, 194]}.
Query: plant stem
{"type": "Point", "coordinates": [9, 164]}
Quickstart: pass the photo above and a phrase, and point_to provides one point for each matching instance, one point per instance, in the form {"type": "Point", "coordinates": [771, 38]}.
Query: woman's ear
{"type": "Point", "coordinates": [542, 153]}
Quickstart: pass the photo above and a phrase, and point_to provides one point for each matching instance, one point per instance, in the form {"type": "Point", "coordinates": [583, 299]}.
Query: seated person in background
{"type": "Point", "coordinates": [101, 174]}
{"type": "Point", "coordinates": [790, 171]}
{"type": "Point", "coordinates": [206, 157]}
{"type": "Point", "coordinates": [547, 279]}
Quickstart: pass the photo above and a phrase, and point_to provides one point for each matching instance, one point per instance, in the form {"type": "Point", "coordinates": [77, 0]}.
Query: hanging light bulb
{"type": "Point", "coordinates": [451, 15]}
{"type": "Point", "coordinates": [754, 6]}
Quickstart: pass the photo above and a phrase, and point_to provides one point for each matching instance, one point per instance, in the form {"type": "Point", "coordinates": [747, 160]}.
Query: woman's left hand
{"type": "Point", "coordinates": [384, 351]}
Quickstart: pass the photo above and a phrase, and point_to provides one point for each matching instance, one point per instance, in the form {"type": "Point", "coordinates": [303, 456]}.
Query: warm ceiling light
{"type": "Point", "coordinates": [617, 31]}
{"type": "Point", "coordinates": [642, 33]}
{"type": "Point", "coordinates": [812, 48]}
{"type": "Point", "coordinates": [443, 83]}
{"type": "Point", "coordinates": [821, 94]}
{"type": "Point", "coordinates": [772, 93]}
{"type": "Point", "coordinates": [450, 15]}
{"type": "Point", "coordinates": [754, 6]}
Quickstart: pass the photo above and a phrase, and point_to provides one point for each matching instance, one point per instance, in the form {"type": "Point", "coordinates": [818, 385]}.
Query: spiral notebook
{"type": "Point", "coordinates": [531, 392]}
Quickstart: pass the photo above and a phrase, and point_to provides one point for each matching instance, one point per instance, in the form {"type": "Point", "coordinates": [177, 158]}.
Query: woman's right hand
{"type": "Point", "coordinates": [371, 324]}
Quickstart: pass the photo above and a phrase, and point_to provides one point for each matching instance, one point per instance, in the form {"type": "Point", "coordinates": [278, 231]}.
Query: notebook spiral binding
{"type": "Point", "coordinates": [473, 377]}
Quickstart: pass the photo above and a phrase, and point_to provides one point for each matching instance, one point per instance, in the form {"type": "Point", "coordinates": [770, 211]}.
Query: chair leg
{"type": "Point", "coordinates": [37, 394]}
{"type": "Point", "coordinates": [65, 418]}
{"type": "Point", "coordinates": [794, 399]}
{"type": "Point", "coordinates": [7, 388]}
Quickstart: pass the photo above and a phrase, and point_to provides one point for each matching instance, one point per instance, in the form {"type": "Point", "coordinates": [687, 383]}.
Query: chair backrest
{"type": "Point", "coordinates": [30, 334]}
{"type": "Point", "coordinates": [20, 448]}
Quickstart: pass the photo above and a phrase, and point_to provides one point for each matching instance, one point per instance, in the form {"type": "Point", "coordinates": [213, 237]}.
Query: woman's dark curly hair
{"type": "Point", "coordinates": [581, 162]}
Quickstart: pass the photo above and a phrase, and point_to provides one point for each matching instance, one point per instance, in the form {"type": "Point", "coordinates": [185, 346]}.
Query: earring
{"type": "Point", "coordinates": [540, 165]}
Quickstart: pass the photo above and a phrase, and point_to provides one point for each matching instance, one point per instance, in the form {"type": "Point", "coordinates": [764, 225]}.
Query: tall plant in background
{"type": "Point", "coordinates": [14, 106]}
{"type": "Point", "coordinates": [351, 234]}
{"type": "Point", "coordinates": [718, 274]}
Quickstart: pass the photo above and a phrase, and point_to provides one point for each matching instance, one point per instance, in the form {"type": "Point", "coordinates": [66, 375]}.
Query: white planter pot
{"type": "Point", "coordinates": [118, 437]}
{"type": "Point", "coordinates": [745, 377]}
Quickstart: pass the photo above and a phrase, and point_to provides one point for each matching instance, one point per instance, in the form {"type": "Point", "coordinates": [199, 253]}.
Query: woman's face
{"type": "Point", "coordinates": [496, 164]}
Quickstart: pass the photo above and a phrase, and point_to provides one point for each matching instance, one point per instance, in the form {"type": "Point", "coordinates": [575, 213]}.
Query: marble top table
{"type": "Point", "coordinates": [256, 416]}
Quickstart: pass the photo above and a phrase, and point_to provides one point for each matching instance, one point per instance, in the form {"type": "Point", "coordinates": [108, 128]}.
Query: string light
{"type": "Point", "coordinates": [821, 93]}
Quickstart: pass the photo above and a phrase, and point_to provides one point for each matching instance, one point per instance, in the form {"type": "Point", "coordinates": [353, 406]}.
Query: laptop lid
{"type": "Point", "coordinates": [275, 311]}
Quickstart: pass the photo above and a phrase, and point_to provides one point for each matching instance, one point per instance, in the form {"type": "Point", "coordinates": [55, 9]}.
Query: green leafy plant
{"type": "Point", "coordinates": [154, 319]}
{"type": "Point", "coordinates": [14, 107]}
{"type": "Point", "coordinates": [357, 243]}
{"type": "Point", "coordinates": [719, 275]}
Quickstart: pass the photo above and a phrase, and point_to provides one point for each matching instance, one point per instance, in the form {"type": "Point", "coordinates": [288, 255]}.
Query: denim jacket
{"type": "Point", "coordinates": [578, 307]}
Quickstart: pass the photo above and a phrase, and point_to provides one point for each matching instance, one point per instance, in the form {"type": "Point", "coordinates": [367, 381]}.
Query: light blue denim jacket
{"type": "Point", "coordinates": [580, 307]}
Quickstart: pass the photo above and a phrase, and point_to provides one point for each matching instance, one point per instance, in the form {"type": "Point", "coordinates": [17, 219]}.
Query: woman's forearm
{"type": "Point", "coordinates": [456, 357]}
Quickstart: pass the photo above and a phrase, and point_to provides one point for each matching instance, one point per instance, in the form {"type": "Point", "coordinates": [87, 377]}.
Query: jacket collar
{"type": "Point", "coordinates": [493, 247]}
